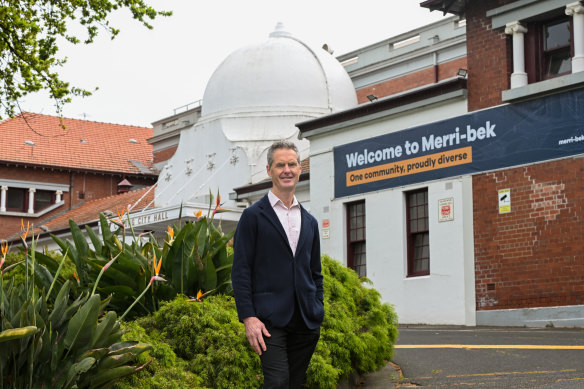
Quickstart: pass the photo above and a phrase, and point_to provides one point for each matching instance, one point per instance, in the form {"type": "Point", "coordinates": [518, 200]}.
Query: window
{"type": "Point", "coordinates": [556, 48]}
{"type": "Point", "coordinates": [43, 199]}
{"type": "Point", "coordinates": [16, 199]}
{"type": "Point", "coordinates": [548, 49]}
{"type": "Point", "coordinates": [356, 258]}
{"type": "Point", "coordinates": [418, 234]}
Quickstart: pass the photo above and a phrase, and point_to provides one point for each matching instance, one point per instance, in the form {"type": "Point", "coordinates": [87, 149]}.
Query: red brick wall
{"type": "Point", "coordinates": [533, 256]}
{"type": "Point", "coordinates": [164, 155]}
{"type": "Point", "coordinates": [490, 57]}
{"type": "Point", "coordinates": [411, 81]}
{"type": "Point", "coordinates": [93, 186]}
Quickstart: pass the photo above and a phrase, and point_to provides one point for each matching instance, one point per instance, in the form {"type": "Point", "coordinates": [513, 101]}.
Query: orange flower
{"type": "Point", "coordinates": [198, 214]}
{"type": "Point", "coordinates": [24, 233]}
{"type": "Point", "coordinates": [120, 214]}
{"type": "Point", "coordinates": [76, 276]}
{"type": "Point", "coordinates": [170, 233]}
{"type": "Point", "coordinates": [218, 208]}
{"type": "Point", "coordinates": [201, 295]}
{"type": "Point", "coordinates": [4, 247]}
{"type": "Point", "coordinates": [119, 221]}
{"type": "Point", "coordinates": [157, 266]}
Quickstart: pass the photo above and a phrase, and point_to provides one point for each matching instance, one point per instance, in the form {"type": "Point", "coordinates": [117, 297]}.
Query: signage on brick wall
{"type": "Point", "coordinates": [510, 135]}
{"type": "Point", "coordinates": [504, 196]}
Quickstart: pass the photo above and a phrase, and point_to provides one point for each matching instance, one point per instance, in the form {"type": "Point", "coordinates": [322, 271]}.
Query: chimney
{"type": "Point", "coordinates": [124, 186]}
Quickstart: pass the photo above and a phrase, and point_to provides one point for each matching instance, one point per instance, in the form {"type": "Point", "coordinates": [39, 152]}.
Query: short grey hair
{"type": "Point", "coordinates": [281, 144]}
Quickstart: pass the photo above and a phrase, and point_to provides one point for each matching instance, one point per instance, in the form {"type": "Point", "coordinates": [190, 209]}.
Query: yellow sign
{"type": "Point", "coordinates": [504, 200]}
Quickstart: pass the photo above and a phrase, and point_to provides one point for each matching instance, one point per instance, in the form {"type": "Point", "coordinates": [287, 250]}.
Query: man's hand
{"type": "Point", "coordinates": [255, 331]}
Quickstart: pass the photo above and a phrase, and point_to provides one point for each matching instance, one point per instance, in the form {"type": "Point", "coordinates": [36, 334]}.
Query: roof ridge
{"type": "Point", "coordinates": [70, 118]}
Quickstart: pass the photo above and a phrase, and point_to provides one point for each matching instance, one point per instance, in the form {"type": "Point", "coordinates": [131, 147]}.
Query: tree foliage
{"type": "Point", "coordinates": [30, 34]}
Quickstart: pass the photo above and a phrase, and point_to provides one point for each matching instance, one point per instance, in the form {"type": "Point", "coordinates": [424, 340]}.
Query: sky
{"type": "Point", "coordinates": [144, 75]}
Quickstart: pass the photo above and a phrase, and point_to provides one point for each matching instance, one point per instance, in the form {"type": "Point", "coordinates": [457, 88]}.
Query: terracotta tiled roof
{"type": "Point", "coordinates": [39, 140]}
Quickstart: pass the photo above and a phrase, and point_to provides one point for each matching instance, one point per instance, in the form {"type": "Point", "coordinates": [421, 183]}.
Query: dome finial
{"type": "Point", "coordinates": [280, 31]}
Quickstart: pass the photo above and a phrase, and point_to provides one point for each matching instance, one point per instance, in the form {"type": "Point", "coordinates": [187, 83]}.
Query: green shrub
{"type": "Point", "coordinates": [49, 340]}
{"type": "Point", "coordinates": [62, 345]}
{"type": "Point", "coordinates": [358, 334]}
{"type": "Point", "coordinates": [208, 335]}
{"type": "Point", "coordinates": [166, 371]}
{"type": "Point", "coordinates": [193, 257]}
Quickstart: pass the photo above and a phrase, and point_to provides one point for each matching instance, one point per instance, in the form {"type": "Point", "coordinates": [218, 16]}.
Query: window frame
{"type": "Point", "coordinates": [354, 244]}
{"type": "Point", "coordinates": [52, 195]}
{"type": "Point", "coordinates": [412, 235]}
{"type": "Point", "coordinates": [24, 205]}
{"type": "Point", "coordinates": [537, 68]}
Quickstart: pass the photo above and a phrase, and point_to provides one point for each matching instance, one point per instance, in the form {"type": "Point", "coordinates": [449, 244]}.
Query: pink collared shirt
{"type": "Point", "coordinates": [290, 218]}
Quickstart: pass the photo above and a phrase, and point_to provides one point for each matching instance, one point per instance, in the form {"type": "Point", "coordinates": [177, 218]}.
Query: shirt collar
{"type": "Point", "coordinates": [275, 199]}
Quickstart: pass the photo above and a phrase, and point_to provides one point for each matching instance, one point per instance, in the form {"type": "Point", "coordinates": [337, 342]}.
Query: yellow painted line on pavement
{"type": "Point", "coordinates": [492, 346]}
{"type": "Point", "coordinates": [514, 373]}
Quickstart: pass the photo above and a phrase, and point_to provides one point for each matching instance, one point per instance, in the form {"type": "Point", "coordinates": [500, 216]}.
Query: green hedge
{"type": "Point", "coordinates": [206, 340]}
{"type": "Point", "coordinates": [358, 332]}
{"type": "Point", "coordinates": [165, 371]}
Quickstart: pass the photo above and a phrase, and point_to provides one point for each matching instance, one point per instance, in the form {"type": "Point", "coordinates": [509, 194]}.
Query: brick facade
{"type": "Point", "coordinates": [532, 256]}
{"type": "Point", "coordinates": [490, 59]}
{"type": "Point", "coordinates": [412, 80]}
{"type": "Point", "coordinates": [83, 187]}
{"type": "Point", "coordinates": [164, 155]}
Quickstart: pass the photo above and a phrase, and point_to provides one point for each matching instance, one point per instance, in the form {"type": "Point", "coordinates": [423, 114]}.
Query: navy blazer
{"type": "Point", "coordinates": [267, 277]}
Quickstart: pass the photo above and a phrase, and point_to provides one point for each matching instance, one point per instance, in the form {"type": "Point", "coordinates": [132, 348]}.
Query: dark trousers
{"type": "Point", "coordinates": [288, 353]}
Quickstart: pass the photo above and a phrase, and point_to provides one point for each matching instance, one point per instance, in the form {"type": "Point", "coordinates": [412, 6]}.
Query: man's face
{"type": "Point", "coordinates": [285, 170]}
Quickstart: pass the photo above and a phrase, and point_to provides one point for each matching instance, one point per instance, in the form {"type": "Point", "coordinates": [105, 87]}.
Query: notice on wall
{"type": "Point", "coordinates": [504, 200]}
{"type": "Point", "coordinates": [325, 230]}
{"type": "Point", "coordinates": [446, 209]}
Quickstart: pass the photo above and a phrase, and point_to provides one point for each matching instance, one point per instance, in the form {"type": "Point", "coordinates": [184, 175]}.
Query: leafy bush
{"type": "Point", "coordinates": [62, 345]}
{"type": "Point", "coordinates": [358, 334]}
{"type": "Point", "coordinates": [56, 342]}
{"type": "Point", "coordinates": [167, 371]}
{"type": "Point", "coordinates": [209, 335]}
{"type": "Point", "coordinates": [195, 259]}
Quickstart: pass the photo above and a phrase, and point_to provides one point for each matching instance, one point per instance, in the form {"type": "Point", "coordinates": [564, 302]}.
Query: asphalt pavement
{"type": "Point", "coordinates": [483, 357]}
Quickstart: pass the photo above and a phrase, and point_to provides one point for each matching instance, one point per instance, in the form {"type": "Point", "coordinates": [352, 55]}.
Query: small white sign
{"type": "Point", "coordinates": [446, 209]}
{"type": "Point", "coordinates": [504, 200]}
{"type": "Point", "coordinates": [325, 229]}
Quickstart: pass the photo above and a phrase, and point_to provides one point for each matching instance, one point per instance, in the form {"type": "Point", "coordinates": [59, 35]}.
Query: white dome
{"type": "Point", "coordinates": [281, 76]}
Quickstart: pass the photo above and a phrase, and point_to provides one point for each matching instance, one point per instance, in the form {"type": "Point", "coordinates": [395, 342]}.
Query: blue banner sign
{"type": "Point", "coordinates": [510, 135]}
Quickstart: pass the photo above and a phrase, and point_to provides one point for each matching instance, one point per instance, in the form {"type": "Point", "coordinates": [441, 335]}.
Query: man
{"type": "Point", "coordinates": [276, 274]}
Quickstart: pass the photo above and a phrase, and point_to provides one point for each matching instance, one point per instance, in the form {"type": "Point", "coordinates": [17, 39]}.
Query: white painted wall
{"type": "Point", "coordinates": [202, 144]}
{"type": "Point", "coordinates": [447, 295]}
